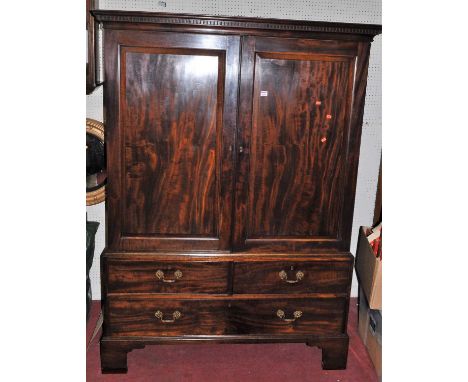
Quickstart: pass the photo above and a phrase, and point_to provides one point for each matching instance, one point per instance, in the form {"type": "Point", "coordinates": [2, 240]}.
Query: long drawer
{"type": "Point", "coordinates": [143, 316]}
{"type": "Point", "coordinates": [126, 276]}
{"type": "Point", "coordinates": [292, 277]}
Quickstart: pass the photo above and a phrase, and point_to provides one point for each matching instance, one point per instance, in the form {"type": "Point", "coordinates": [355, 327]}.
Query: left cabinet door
{"type": "Point", "coordinates": [170, 112]}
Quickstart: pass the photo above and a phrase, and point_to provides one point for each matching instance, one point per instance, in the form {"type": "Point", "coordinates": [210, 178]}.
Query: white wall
{"type": "Point", "coordinates": [351, 11]}
{"type": "Point", "coordinates": [94, 110]}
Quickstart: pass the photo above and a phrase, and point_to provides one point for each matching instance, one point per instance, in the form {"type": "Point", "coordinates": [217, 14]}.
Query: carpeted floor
{"type": "Point", "coordinates": [233, 363]}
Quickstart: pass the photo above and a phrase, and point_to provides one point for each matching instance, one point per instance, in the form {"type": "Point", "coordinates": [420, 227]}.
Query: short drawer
{"type": "Point", "coordinates": [136, 316]}
{"type": "Point", "coordinates": [289, 316]}
{"type": "Point", "coordinates": [126, 276]}
{"type": "Point", "coordinates": [292, 277]}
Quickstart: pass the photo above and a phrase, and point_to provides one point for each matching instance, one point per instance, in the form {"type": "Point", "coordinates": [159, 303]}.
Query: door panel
{"type": "Point", "coordinates": [295, 129]}
{"type": "Point", "coordinates": [173, 138]}
{"type": "Point", "coordinates": [296, 157]}
{"type": "Point", "coordinates": [171, 133]}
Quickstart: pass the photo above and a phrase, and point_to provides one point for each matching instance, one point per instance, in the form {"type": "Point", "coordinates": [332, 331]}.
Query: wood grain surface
{"type": "Point", "coordinates": [169, 118]}
{"type": "Point", "coordinates": [319, 316]}
{"type": "Point", "coordinates": [232, 156]}
{"type": "Point", "coordinates": [318, 277]}
{"type": "Point", "coordinates": [140, 277]}
{"type": "Point", "coordinates": [296, 159]}
{"type": "Point", "coordinates": [170, 139]}
{"type": "Point", "coordinates": [135, 316]}
{"type": "Point", "coordinates": [294, 124]}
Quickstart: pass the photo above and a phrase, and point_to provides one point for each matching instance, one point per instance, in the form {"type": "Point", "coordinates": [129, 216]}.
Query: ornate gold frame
{"type": "Point", "coordinates": [95, 128]}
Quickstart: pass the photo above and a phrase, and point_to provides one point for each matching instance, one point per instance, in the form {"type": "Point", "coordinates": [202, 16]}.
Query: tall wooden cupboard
{"type": "Point", "coordinates": [232, 152]}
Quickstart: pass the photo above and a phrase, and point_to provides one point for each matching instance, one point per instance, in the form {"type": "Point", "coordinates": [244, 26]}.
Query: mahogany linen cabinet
{"type": "Point", "coordinates": [232, 151]}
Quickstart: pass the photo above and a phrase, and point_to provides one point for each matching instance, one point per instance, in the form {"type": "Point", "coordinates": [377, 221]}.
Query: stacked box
{"type": "Point", "coordinates": [369, 274]}
{"type": "Point", "coordinates": [370, 330]}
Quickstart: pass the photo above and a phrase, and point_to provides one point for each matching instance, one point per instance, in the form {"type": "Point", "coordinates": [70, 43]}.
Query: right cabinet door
{"type": "Point", "coordinates": [298, 143]}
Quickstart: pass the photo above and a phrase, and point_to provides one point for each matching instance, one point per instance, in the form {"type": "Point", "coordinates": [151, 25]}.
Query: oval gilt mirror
{"type": "Point", "coordinates": [96, 175]}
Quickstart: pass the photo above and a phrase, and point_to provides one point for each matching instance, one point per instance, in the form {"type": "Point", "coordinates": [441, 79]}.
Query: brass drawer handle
{"type": "Point", "coordinates": [297, 314]}
{"type": "Point", "coordinates": [284, 276]}
{"type": "Point", "coordinates": [160, 275]}
{"type": "Point", "coordinates": [176, 315]}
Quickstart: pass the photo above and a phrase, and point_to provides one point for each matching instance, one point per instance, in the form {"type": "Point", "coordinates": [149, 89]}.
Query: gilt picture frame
{"type": "Point", "coordinates": [95, 162]}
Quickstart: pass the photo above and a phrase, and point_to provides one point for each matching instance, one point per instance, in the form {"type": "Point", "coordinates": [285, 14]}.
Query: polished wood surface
{"type": "Point", "coordinates": [258, 316]}
{"type": "Point", "coordinates": [236, 25]}
{"type": "Point", "coordinates": [232, 154]}
{"type": "Point", "coordinates": [135, 316]}
{"type": "Point", "coordinates": [285, 277]}
{"type": "Point", "coordinates": [176, 277]}
{"type": "Point", "coordinates": [222, 256]}
{"type": "Point", "coordinates": [296, 156]}
{"type": "Point", "coordinates": [170, 152]}
{"type": "Point", "coordinates": [294, 114]}
{"type": "Point", "coordinates": [114, 349]}
{"type": "Point", "coordinates": [171, 142]}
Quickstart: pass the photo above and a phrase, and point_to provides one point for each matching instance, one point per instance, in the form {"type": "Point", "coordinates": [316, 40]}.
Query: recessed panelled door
{"type": "Point", "coordinates": [294, 125]}
{"type": "Point", "coordinates": [175, 132]}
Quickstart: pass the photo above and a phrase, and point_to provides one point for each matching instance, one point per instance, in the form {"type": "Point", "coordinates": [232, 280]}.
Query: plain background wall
{"type": "Point", "coordinates": [351, 11]}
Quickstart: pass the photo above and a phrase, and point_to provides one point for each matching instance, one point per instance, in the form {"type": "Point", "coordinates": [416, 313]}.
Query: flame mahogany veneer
{"type": "Point", "coordinates": [232, 152]}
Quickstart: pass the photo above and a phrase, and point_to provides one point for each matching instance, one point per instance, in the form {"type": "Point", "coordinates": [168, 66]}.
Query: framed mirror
{"type": "Point", "coordinates": [96, 174]}
{"type": "Point", "coordinates": [91, 83]}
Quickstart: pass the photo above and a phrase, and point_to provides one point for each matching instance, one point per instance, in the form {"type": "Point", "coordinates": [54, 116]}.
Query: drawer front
{"type": "Point", "coordinates": [289, 316]}
{"type": "Point", "coordinates": [165, 317]}
{"type": "Point", "coordinates": [140, 316]}
{"type": "Point", "coordinates": [167, 277]}
{"type": "Point", "coordinates": [292, 277]}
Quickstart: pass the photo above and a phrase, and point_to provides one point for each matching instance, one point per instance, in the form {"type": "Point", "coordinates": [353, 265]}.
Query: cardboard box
{"type": "Point", "coordinates": [369, 270]}
{"type": "Point", "coordinates": [370, 330]}
{"type": "Point", "coordinates": [363, 319]}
